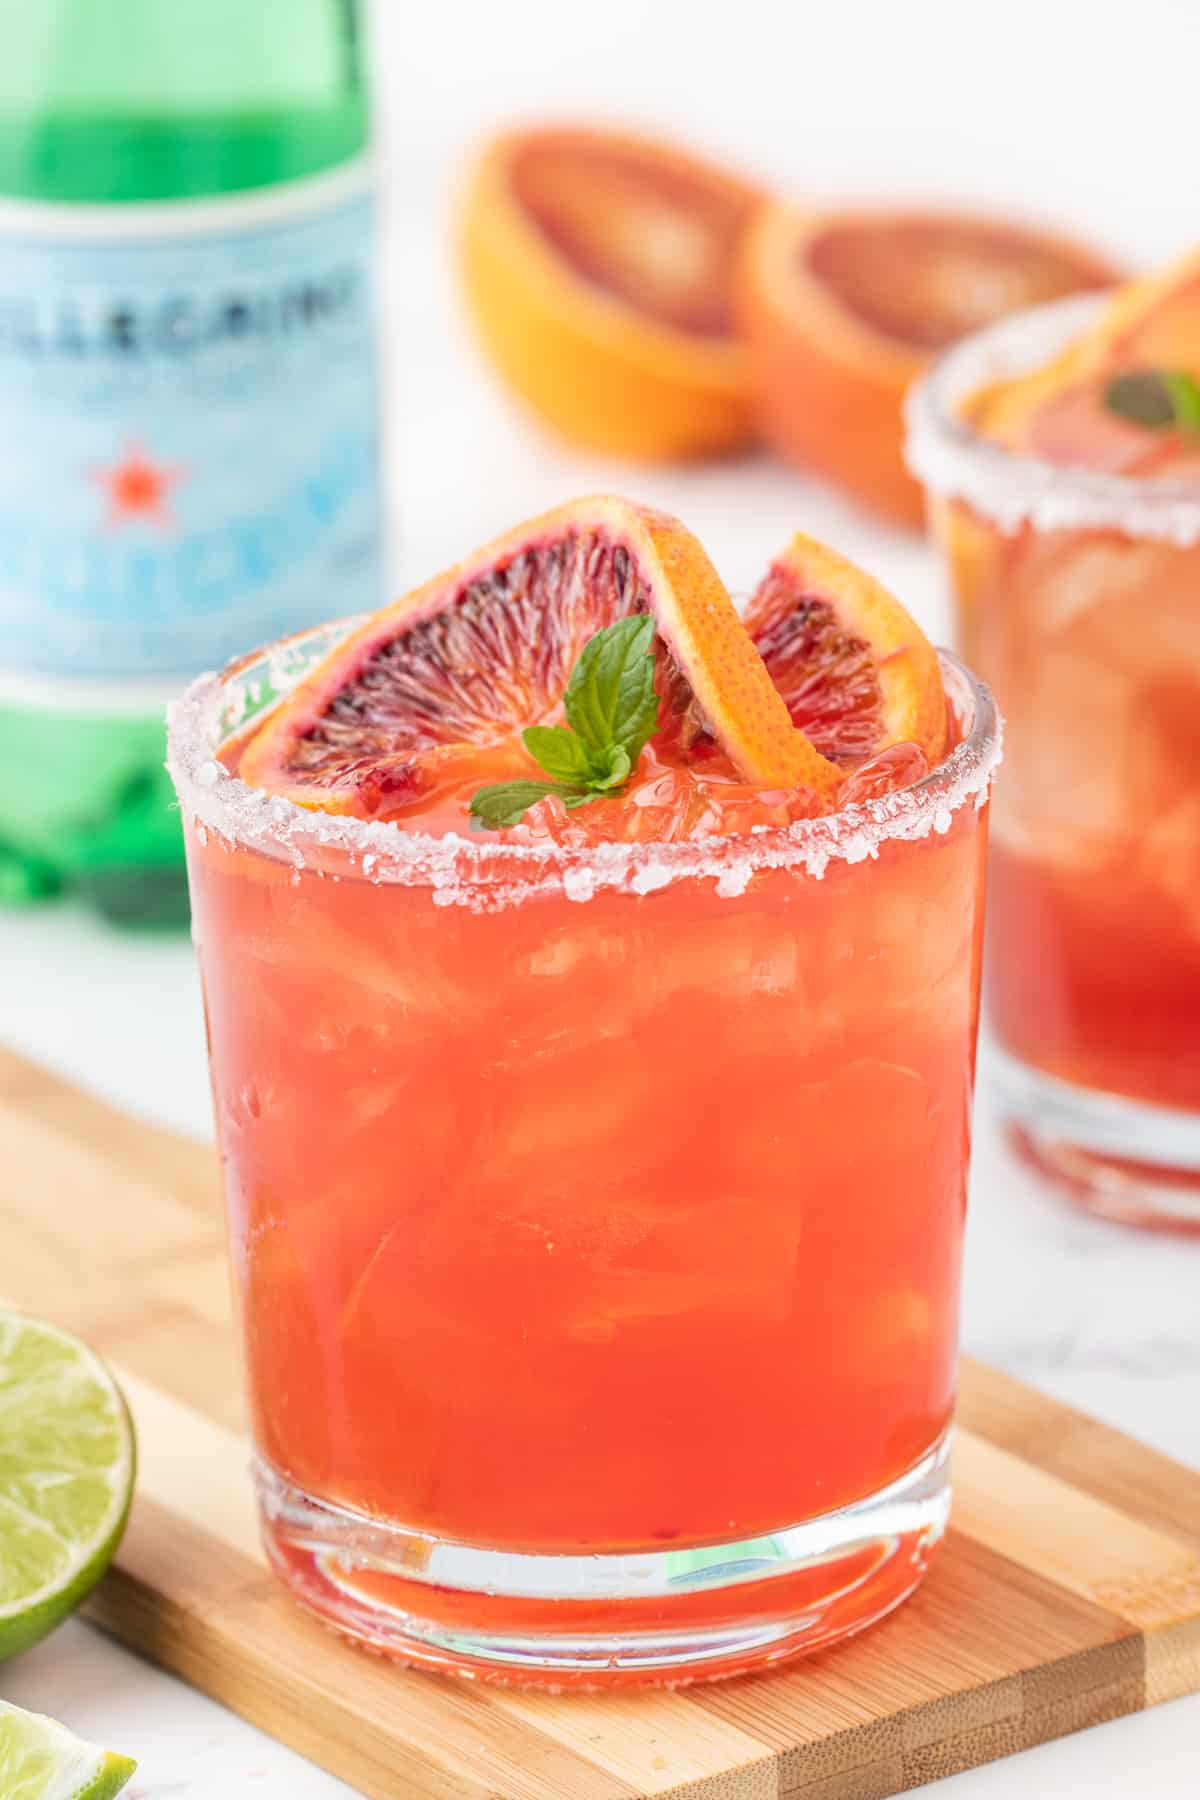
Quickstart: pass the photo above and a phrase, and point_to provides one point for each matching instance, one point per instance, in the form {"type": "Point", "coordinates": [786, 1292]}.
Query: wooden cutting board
{"type": "Point", "coordinates": [1068, 1591]}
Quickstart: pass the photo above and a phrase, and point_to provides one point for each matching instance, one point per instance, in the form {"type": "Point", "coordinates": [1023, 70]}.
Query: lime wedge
{"type": "Point", "coordinates": [40, 1760]}
{"type": "Point", "coordinates": [66, 1477]}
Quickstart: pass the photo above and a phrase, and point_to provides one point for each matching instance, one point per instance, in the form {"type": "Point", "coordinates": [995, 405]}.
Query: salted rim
{"type": "Point", "coordinates": [488, 875]}
{"type": "Point", "coordinates": [953, 461]}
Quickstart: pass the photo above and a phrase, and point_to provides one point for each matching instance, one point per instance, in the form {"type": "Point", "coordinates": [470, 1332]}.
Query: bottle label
{"type": "Point", "coordinates": [189, 456]}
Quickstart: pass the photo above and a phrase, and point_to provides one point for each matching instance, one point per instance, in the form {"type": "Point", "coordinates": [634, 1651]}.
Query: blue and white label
{"type": "Point", "coordinates": [189, 457]}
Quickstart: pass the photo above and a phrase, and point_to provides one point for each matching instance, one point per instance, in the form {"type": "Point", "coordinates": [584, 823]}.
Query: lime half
{"type": "Point", "coordinates": [66, 1477]}
{"type": "Point", "coordinates": [40, 1760]}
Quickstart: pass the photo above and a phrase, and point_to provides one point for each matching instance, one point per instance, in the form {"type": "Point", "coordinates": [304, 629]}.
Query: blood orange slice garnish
{"type": "Point", "coordinates": [856, 672]}
{"type": "Point", "coordinates": [1068, 411]}
{"type": "Point", "coordinates": [597, 268]}
{"type": "Point", "coordinates": [433, 693]}
{"type": "Point", "coordinates": [841, 312]}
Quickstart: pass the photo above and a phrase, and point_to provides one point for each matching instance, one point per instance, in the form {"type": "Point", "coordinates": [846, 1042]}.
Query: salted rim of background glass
{"type": "Point", "coordinates": [487, 874]}
{"type": "Point", "coordinates": [1012, 490]}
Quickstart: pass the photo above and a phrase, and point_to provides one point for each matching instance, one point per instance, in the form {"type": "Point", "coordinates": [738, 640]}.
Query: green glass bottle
{"type": "Point", "coordinates": [188, 446]}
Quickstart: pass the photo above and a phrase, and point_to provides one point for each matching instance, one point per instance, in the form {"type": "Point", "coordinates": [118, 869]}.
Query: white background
{"type": "Point", "coordinates": [1082, 114]}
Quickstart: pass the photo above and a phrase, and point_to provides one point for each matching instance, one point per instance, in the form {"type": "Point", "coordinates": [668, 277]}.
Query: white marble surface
{"type": "Point", "coordinates": [861, 96]}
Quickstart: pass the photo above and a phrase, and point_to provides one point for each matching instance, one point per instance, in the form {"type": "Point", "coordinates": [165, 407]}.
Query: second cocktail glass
{"type": "Point", "coordinates": [1078, 599]}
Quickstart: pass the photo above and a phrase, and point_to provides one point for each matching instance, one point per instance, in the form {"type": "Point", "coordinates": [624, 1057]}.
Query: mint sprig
{"type": "Point", "coordinates": [1185, 397]}
{"type": "Point", "coordinates": [1155, 399]}
{"type": "Point", "coordinates": [612, 712]}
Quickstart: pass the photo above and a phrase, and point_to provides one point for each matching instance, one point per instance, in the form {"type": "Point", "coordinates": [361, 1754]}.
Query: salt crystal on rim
{"type": "Point", "coordinates": [734, 880]}
{"type": "Point", "coordinates": [578, 884]}
{"type": "Point", "coordinates": [648, 879]}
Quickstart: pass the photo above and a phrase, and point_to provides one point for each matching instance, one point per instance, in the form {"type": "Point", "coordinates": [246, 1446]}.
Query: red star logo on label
{"type": "Point", "coordinates": [138, 488]}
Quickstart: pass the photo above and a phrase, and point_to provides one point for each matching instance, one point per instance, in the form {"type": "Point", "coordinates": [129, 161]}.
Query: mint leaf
{"type": "Point", "coordinates": [1142, 399]}
{"type": "Point", "coordinates": [610, 697]}
{"type": "Point", "coordinates": [612, 708]}
{"type": "Point", "coordinates": [559, 751]}
{"type": "Point", "coordinates": [507, 802]}
{"type": "Point", "coordinates": [1155, 399]}
{"type": "Point", "coordinates": [1185, 397]}
{"type": "Point", "coordinates": [616, 774]}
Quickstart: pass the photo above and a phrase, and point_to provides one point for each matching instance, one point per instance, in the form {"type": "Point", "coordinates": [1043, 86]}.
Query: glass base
{"type": "Point", "coordinates": [1120, 1159]}
{"type": "Point", "coordinates": [662, 1618]}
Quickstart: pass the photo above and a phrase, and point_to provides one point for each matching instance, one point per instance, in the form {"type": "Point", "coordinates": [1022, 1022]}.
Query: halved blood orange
{"type": "Point", "coordinates": [437, 688]}
{"type": "Point", "coordinates": [855, 670]}
{"type": "Point", "coordinates": [842, 311]}
{"type": "Point", "coordinates": [1057, 411]}
{"type": "Point", "coordinates": [597, 268]}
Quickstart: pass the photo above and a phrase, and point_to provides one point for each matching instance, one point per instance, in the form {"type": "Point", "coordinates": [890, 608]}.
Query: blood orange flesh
{"type": "Point", "coordinates": [826, 673]}
{"type": "Point", "coordinates": [653, 228]}
{"type": "Point", "coordinates": [926, 280]}
{"type": "Point", "coordinates": [464, 674]}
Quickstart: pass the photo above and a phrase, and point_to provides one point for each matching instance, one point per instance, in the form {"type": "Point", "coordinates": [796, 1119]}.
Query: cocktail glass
{"type": "Point", "coordinates": [1078, 597]}
{"type": "Point", "coordinates": [595, 1215]}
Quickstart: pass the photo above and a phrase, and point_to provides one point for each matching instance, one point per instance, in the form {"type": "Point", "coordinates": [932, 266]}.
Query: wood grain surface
{"type": "Point", "coordinates": [1068, 1591]}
